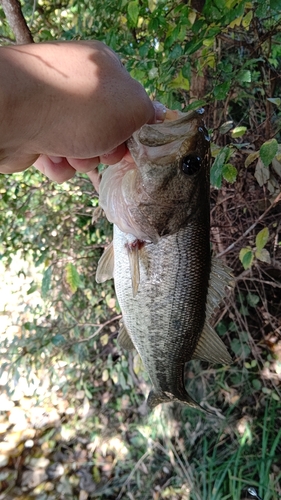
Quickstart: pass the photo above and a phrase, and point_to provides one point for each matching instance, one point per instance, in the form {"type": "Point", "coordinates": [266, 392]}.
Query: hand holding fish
{"type": "Point", "coordinates": [67, 106]}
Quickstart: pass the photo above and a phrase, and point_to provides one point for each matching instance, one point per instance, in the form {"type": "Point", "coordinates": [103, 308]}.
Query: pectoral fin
{"type": "Point", "coordinates": [105, 267]}
{"type": "Point", "coordinates": [133, 254]}
{"type": "Point", "coordinates": [124, 339]}
{"type": "Point", "coordinates": [211, 348]}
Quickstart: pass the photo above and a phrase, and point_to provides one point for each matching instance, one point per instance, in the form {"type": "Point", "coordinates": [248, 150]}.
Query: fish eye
{"type": "Point", "coordinates": [191, 164]}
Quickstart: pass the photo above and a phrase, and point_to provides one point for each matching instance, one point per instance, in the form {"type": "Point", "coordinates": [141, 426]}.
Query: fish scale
{"type": "Point", "coordinates": [157, 316]}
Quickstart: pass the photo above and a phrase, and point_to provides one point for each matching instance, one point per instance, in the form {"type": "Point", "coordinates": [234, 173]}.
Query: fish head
{"type": "Point", "coordinates": [167, 181]}
{"type": "Point", "coordinates": [172, 161]}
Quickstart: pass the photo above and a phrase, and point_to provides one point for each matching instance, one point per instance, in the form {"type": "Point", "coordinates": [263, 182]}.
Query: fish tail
{"type": "Point", "coordinates": [157, 397]}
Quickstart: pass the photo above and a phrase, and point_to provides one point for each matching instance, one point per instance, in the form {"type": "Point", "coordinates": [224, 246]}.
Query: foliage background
{"type": "Point", "coordinates": [225, 56]}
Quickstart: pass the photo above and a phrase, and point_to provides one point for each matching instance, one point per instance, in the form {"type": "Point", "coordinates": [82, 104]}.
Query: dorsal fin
{"type": "Point", "coordinates": [210, 347]}
{"type": "Point", "coordinates": [220, 278]}
{"type": "Point", "coordinates": [123, 338]}
{"type": "Point", "coordinates": [105, 267]}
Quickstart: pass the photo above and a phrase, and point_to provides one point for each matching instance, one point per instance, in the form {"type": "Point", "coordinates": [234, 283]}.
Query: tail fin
{"type": "Point", "coordinates": [157, 397]}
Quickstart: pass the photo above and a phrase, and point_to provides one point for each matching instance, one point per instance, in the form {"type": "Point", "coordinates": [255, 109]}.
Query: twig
{"type": "Point", "coordinates": [278, 198]}
{"type": "Point", "coordinates": [16, 20]}
{"type": "Point", "coordinates": [99, 329]}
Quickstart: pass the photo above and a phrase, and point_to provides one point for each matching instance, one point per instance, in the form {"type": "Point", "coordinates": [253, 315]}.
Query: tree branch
{"type": "Point", "coordinates": [14, 16]}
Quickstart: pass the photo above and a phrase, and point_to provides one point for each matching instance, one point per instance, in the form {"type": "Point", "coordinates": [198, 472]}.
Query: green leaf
{"type": "Point", "coordinates": [175, 52]}
{"type": "Point", "coordinates": [252, 157]}
{"type": "Point", "coordinates": [247, 19]}
{"type": "Point", "coordinates": [261, 10]}
{"type": "Point", "coordinates": [153, 73]}
{"type": "Point", "coordinates": [236, 346]}
{"type": "Point", "coordinates": [46, 282]}
{"type": "Point", "coordinates": [244, 76]}
{"type": "Point", "coordinates": [226, 127]}
{"type": "Point", "coordinates": [32, 289]}
{"type": "Point", "coordinates": [252, 299]}
{"type": "Point", "coordinates": [216, 173]}
{"type": "Point", "coordinates": [262, 238]}
{"type": "Point", "coordinates": [180, 82]}
{"type": "Point", "coordinates": [193, 46]}
{"type": "Point", "coordinates": [238, 131]}
{"type": "Point", "coordinates": [246, 257]}
{"type": "Point", "coordinates": [268, 150]}
{"type": "Point", "coordinates": [221, 90]}
{"type": "Point", "coordinates": [229, 173]}
{"type": "Point", "coordinates": [72, 277]}
{"type": "Point", "coordinates": [133, 12]}
{"type": "Point", "coordinates": [58, 339]}
{"type": "Point", "coordinates": [244, 310]}
{"type": "Point", "coordinates": [275, 100]}
{"type": "Point", "coordinates": [152, 5]}
{"type": "Point", "coordinates": [256, 383]}
{"type": "Point", "coordinates": [195, 105]}
{"type": "Point", "coordinates": [263, 255]}
{"type": "Point", "coordinates": [221, 328]}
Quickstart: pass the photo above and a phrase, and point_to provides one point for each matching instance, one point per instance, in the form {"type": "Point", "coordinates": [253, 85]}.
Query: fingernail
{"type": "Point", "coordinates": [56, 159]}
{"type": "Point", "coordinates": [110, 152]}
{"type": "Point", "coordinates": [160, 111]}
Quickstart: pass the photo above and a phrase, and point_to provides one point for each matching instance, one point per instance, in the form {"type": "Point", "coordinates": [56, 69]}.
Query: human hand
{"type": "Point", "coordinates": [67, 107]}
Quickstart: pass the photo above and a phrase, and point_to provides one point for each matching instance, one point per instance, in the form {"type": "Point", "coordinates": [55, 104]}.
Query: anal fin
{"type": "Point", "coordinates": [211, 348]}
{"type": "Point", "coordinates": [124, 339]}
{"type": "Point", "coordinates": [105, 267]}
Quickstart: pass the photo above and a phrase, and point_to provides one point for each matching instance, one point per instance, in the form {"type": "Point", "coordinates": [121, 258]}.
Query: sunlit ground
{"type": "Point", "coordinates": [54, 446]}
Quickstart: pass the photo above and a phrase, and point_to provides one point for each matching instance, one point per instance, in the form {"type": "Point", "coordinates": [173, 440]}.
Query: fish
{"type": "Point", "coordinates": [166, 281]}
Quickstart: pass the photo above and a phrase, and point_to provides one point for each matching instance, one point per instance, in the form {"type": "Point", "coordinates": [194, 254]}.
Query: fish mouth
{"type": "Point", "coordinates": [183, 132]}
{"type": "Point", "coordinates": [170, 130]}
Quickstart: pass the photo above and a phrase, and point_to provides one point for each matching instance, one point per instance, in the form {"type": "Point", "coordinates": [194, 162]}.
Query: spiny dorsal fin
{"type": "Point", "coordinates": [105, 267]}
{"type": "Point", "coordinates": [133, 254]}
{"type": "Point", "coordinates": [211, 348]}
{"type": "Point", "coordinates": [220, 278]}
{"type": "Point", "coordinates": [124, 339]}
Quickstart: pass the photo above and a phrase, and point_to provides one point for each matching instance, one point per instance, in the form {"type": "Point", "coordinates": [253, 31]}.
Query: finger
{"type": "Point", "coordinates": [114, 156]}
{"type": "Point", "coordinates": [84, 165]}
{"type": "Point", "coordinates": [159, 112]}
{"type": "Point", "coordinates": [58, 170]}
{"type": "Point", "coordinates": [95, 177]}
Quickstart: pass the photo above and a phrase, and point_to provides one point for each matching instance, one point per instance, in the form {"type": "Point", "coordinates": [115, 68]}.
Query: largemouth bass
{"type": "Point", "coordinates": [165, 280]}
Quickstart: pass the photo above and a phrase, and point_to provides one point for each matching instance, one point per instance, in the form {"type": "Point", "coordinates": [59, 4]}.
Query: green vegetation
{"type": "Point", "coordinates": [224, 55]}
